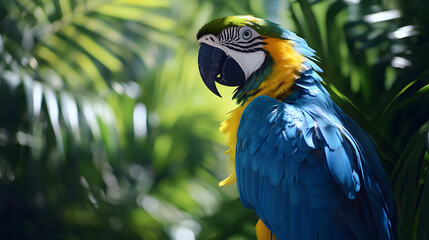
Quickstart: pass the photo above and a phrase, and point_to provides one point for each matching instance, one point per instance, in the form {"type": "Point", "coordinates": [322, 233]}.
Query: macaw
{"type": "Point", "coordinates": [305, 167]}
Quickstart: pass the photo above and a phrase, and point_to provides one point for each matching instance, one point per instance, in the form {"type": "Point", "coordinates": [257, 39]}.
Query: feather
{"type": "Point", "coordinates": [304, 177]}
{"type": "Point", "coordinates": [341, 171]}
{"type": "Point", "coordinates": [309, 223]}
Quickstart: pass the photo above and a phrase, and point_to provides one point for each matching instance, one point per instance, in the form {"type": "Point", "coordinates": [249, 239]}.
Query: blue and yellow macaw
{"type": "Point", "coordinates": [306, 168]}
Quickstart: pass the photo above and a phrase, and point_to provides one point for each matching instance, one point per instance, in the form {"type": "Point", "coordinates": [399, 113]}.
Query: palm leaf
{"type": "Point", "coordinates": [408, 179]}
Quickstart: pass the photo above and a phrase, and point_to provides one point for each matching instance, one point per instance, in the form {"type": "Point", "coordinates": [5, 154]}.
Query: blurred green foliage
{"type": "Point", "coordinates": [106, 130]}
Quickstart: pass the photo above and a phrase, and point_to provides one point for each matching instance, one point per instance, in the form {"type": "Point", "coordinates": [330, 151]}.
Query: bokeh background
{"type": "Point", "coordinates": [107, 131]}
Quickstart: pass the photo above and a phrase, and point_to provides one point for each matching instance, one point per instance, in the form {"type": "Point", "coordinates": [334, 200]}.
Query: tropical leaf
{"type": "Point", "coordinates": [408, 179]}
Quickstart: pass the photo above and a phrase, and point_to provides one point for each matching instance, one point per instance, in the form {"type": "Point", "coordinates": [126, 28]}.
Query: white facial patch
{"type": "Point", "coordinates": [248, 61]}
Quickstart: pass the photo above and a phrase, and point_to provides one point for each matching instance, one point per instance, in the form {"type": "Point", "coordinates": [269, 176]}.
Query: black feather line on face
{"type": "Point", "coordinates": [243, 46]}
{"type": "Point", "coordinates": [252, 40]}
{"type": "Point", "coordinates": [245, 50]}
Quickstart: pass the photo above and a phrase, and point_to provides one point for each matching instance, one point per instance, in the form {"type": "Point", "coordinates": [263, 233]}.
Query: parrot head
{"type": "Point", "coordinates": [251, 54]}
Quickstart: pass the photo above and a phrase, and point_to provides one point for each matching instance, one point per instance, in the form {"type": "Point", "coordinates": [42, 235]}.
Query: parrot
{"type": "Point", "coordinates": [307, 169]}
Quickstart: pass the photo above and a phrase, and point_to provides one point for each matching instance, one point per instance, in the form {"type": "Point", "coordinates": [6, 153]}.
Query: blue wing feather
{"type": "Point", "coordinates": [305, 174]}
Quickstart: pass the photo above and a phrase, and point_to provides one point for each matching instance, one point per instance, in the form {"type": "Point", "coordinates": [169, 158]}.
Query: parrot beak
{"type": "Point", "coordinates": [216, 66]}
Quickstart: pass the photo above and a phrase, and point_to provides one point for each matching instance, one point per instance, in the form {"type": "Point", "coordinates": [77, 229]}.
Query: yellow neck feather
{"type": "Point", "coordinates": [287, 63]}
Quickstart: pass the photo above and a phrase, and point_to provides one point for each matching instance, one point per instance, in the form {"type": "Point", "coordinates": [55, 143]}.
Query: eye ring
{"type": "Point", "coordinates": [246, 34]}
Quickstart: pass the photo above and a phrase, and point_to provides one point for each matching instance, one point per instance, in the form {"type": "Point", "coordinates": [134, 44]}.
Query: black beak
{"type": "Point", "coordinates": [216, 66]}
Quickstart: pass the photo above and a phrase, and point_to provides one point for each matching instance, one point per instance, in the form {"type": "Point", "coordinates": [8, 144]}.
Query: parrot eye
{"type": "Point", "coordinates": [246, 34]}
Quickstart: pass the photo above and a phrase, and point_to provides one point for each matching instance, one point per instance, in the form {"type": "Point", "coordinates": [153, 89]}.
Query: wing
{"type": "Point", "coordinates": [301, 171]}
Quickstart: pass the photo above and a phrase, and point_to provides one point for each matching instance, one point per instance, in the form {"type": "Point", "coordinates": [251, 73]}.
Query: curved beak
{"type": "Point", "coordinates": [216, 66]}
